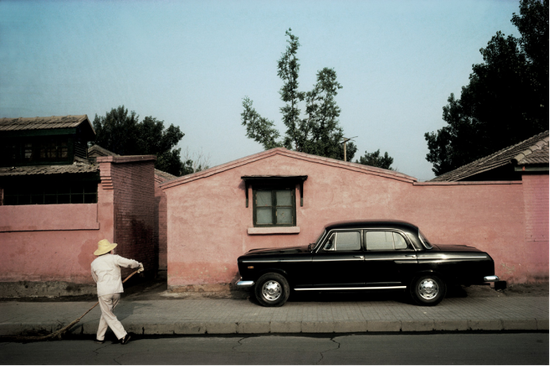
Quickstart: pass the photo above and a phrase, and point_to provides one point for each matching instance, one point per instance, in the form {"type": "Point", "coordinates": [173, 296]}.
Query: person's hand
{"type": "Point", "coordinates": [141, 269]}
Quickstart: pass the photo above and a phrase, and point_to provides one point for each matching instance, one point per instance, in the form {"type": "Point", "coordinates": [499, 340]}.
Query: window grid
{"type": "Point", "coordinates": [81, 192]}
{"type": "Point", "coordinates": [274, 207]}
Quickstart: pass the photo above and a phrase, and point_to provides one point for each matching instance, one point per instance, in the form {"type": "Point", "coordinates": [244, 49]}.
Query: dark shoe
{"type": "Point", "coordinates": [100, 342]}
{"type": "Point", "coordinates": [125, 339]}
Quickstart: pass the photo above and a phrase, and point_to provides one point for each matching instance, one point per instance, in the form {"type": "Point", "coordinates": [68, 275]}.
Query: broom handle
{"type": "Point", "coordinates": [82, 316]}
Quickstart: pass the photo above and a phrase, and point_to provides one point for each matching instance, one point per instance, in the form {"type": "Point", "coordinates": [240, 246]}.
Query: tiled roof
{"type": "Point", "coordinates": [42, 123]}
{"type": "Point", "coordinates": [164, 176]}
{"type": "Point", "coordinates": [95, 150]}
{"type": "Point", "coordinates": [75, 168]}
{"type": "Point", "coordinates": [531, 151]}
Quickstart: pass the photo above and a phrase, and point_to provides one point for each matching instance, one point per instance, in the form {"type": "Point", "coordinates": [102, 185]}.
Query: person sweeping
{"type": "Point", "coordinates": [107, 274]}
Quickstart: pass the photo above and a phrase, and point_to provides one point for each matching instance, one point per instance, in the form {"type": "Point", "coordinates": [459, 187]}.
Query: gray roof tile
{"type": "Point", "coordinates": [76, 168]}
{"type": "Point", "coordinates": [531, 151]}
{"type": "Point", "coordinates": [42, 123]}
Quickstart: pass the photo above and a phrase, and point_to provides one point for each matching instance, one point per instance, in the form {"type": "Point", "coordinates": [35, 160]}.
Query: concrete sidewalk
{"type": "Point", "coordinates": [162, 315]}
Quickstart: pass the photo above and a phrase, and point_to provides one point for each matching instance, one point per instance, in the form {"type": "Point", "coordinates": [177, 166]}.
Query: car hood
{"type": "Point", "coordinates": [455, 248]}
{"type": "Point", "coordinates": [269, 251]}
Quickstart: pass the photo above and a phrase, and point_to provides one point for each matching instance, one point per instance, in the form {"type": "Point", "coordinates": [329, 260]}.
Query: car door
{"type": "Point", "coordinates": [339, 261]}
{"type": "Point", "coordinates": [389, 258]}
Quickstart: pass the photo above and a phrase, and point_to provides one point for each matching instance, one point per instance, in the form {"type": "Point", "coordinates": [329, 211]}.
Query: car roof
{"type": "Point", "coordinates": [363, 224]}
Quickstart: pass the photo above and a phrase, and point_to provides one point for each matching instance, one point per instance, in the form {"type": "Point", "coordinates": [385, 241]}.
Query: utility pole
{"type": "Point", "coordinates": [346, 139]}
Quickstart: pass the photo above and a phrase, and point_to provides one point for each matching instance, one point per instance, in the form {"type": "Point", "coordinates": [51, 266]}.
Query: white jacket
{"type": "Point", "coordinates": [106, 273]}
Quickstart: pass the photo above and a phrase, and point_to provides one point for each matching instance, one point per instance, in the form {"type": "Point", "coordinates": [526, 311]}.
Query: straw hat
{"type": "Point", "coordinates": [103, 246]}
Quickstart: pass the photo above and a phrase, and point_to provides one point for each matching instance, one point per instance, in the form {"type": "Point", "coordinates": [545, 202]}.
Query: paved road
{"type": "Point", "coordinates": [495, 348]}
{"type": "Point", "coordinates": [478, 308]}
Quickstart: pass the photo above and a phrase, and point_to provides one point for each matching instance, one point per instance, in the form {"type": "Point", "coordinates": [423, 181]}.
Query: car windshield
{"type": "Point", "coordinates": [424, 240]}
{"type": "Point", "coordinates": [312, 246]}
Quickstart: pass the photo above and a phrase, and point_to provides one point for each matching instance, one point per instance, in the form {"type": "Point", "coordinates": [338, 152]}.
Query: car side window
{"type": "Point", "coordinates": [344, 241]}
{"type": "Point", "coordinates": [385, 240]}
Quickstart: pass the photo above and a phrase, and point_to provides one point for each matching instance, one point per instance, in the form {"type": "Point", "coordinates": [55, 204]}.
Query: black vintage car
{"type": "Point", "coordinates": [368, 255]}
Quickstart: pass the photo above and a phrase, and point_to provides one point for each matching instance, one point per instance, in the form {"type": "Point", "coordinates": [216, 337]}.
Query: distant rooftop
{"type": "Point", "coordinates": [533, 151]}
{"type": "Point", "coordinates": [42, 123]}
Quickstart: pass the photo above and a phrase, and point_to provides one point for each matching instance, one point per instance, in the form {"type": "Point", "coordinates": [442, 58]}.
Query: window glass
{"type": "Point", "coordinates": [263, 198]}
{"type": "Point", "coordinates": [284, 216]}
{"type": "Point", "coordinates": [348, 240]}
{"type": "Point", "coordinates": [399, 241]}
{"type": "Point", "coordinates": [379, 240]}
{"type": "Point", "coordinates": [385, 240]}
{"type": "Point", "coordinates": [284, 198]}
{"type": "Point", "coordinates": [264, 216]}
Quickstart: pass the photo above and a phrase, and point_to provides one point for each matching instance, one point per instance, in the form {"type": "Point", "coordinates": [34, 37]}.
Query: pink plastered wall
{"type": "Point", "coordinates": [209, 225]}
{"type": "Point", "coordinates": [42, 243]}
{"type": "Point", "coordinates": [48, 242]}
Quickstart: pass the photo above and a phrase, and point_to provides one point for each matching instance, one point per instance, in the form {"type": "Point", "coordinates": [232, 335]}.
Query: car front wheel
{"type": "Point", "coordinates": [428, 290]}
{"type": "Point", "coordinates": [272, 289]}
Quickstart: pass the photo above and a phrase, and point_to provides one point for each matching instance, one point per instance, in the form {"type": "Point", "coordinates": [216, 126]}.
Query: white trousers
{"type": "Point", "coordinates": [107, 303]}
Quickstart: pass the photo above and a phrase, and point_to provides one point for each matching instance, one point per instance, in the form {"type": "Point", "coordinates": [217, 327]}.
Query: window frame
{"type": "Point", "coordinates": [273, 184]}
{"type": "Point", "coordinates": [274, 206]}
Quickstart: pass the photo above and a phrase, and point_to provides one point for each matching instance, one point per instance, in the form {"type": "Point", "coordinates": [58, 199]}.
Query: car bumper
{"type": "Point", "coordinates": [491, 279]}
{"type": "Point", "coordinates": [245, 284]}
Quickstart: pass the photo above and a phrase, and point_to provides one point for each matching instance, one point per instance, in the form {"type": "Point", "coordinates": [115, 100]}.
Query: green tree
{"type": "Point", "coordinates": [317, 131]}
{"type": "Point", "coordinates": [374, 159]}
{"type": "Point", "coordinates": [506, 100]}
{"type": "Point", "coordinates": [121, 132]}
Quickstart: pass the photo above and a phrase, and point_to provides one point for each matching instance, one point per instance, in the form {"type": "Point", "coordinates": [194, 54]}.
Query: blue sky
{"type": "Point", "coordinates": [190, 63]}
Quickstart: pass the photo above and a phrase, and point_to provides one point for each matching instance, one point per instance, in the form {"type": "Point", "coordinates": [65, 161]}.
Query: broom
{"type": "Point", "coordinates": [57, 334]}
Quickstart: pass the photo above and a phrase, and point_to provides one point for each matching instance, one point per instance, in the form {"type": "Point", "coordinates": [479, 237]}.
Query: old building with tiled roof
{"type": "Point", "coordinates": [53, 150]}
{"type": "Point", "coordinates": [507, 164]}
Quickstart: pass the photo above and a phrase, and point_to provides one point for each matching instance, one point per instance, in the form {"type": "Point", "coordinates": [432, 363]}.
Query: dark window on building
{"type": "Point", "coordinates": [51, 193]}
{"type": "Point", "coordinates": [276, 207]}
{"type": "Point", "coordinates": [36, 150]}
{"type": "Point", "coordinates": [274, 199]}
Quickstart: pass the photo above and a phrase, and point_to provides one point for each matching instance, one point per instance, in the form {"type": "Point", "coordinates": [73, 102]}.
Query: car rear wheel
{"type": "Point", "coordinates": [428, 290]}
{"type": "Point", "coordinates": [272, 289]}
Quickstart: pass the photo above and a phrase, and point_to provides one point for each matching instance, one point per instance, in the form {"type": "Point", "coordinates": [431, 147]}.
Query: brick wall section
{"type": "Point", "coordinates": [132, 179]}
{"type": "Point", "coordinates": [535, 193]}
{"type": "Point", "coordinates": [161, 227]}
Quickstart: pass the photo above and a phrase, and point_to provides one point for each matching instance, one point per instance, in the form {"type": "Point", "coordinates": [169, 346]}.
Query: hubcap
{"type": "Point", "coordinates": [428, 289]}
{"type": "Point", "coordinates": [271, 290]}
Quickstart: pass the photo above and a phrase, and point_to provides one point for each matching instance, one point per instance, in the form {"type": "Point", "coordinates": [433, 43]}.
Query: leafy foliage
{"type": "Point", "coordinates": [318, 131]}
{"type": "Point", "coordinates": [506, 100]}
{"type": "Point", "coordinates": [374, 159]}
{"type": "Point", "coordinates": [122, 133]}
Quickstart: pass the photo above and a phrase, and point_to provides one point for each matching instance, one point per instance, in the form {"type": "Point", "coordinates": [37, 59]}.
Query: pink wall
{"type": "Point", "coordinates": [536, 228]}
{"type": "Point", "coordinates": [48, 242]}
{"type": "Point", "coordinates": [209, 225]}
{"type": "Point", "coordinates": [56, 242]}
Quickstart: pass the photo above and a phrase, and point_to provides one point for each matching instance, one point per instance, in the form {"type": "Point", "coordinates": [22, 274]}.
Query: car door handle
{"type": "Point", "coordinates": [411, 255]}
{"type": "Point", "coordinates": [359, 256]}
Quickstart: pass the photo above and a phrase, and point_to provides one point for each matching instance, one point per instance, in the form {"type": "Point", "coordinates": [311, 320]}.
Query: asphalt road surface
{"type": "Point", "coordinates": [494, 348]}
